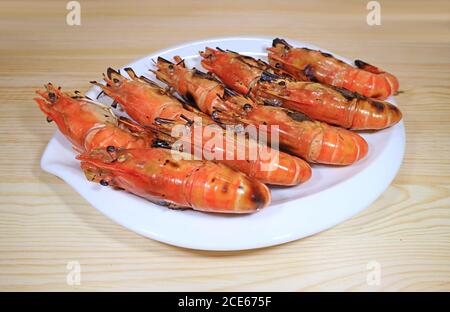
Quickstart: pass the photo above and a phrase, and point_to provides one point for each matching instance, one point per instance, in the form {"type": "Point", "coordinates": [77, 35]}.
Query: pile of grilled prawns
{"type": "Point", "coordinates": [309, 100]}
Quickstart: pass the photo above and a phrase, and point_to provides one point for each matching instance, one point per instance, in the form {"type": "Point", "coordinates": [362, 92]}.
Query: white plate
{"type": "Point", "coordinates": [333, 194]}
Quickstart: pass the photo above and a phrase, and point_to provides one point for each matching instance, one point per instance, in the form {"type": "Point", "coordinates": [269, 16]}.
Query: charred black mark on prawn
{"type": "Point", "coordinates": [257, 196]}
{"type": "Point", "coordinates": [297, 116]}
{"type": "Point", "coordinates": [269, 77]}
{"type": "Point", "coordinates": [163, 121]}
{"type": "Point", "coordinates": [188, 97]}
{"type": "Point", "coordinates": [229, 93]}
{"type": "Point", "coordinates": [160, 143]}
{"type": "Point", "coordinates": [181, 63]}
{"type": "Point", "coordinates": [171, 163]}
{"type": "Point", "coordinates": [203, 75]}
{"type": "Point", "coordinates": [272, 102]}
{"type": "Point", "coordinates": [379, 107]}
{"type": "Point", "coordinates": [361, 64]}
{"type": "Point", "coordinates": [198, 73]}
{"type": "Point", "coordinates": [283, 42]}
{"type": "Point", "coordinates": [325, 54]}
{"type": "Point", "coordinates": [309, 73]}
{"type": "Point", "coordinates": [150, 82]}
{"type": "Point", "coordinates": [215, 116]}
{"type": "Point", "coordinates": [349, 95]}
{"type": "Point", "coordinates": [189, 122]}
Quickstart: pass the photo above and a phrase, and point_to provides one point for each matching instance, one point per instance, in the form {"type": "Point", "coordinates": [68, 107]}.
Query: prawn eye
{"type": "Point", "coordinates": [52, 97]}
{"type": "Point", "coordinates": [247, 107]}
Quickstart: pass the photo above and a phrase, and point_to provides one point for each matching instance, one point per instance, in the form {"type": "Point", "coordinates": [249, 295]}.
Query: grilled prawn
{"type": "Point", "coordinates": [333, 105]}
{"type": "Point", "coordinates": [87, 124]}
{"type": "Point", "coordinates": [313, 65]}
{"type": "Point", "coordinates": [312, 140]}
{"type": "Point", "coordinates": [152, 106]}
{"type": "Point", "coordinates": [152, 173]}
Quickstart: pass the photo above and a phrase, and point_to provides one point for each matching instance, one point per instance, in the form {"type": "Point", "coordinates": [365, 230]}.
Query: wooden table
{"type": "Point", "coordinates": [45, 225]}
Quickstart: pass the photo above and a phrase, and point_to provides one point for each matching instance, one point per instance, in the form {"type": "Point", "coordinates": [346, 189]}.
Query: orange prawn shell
{"type": "Point", "coordinates": [232, 69]}
{"type": "Point", "coordinates": [87, 125]}
{"type": "Point", "coordinates": [338, 107]}
{"type": "Point", "coordinates": [155, 175]}
{"type": "Point", "coordinates": [314, 65]}
{"type": "Point", "coordinates": [314, 141]}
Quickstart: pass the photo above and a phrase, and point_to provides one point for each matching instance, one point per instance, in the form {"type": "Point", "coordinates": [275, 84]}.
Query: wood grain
{"type": "Point", "coordinates": [44, 223]}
